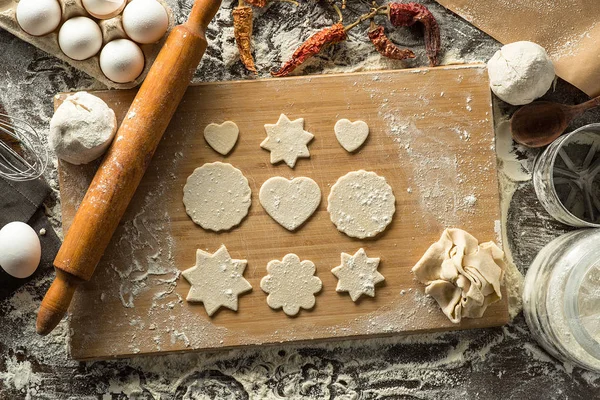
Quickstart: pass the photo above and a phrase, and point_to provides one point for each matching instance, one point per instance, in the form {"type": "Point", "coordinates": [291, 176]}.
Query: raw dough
{"type": "Point", "coordinates": [291, 284]}
{"type": "Point", "coordinates": [287, 140]}
{"type": "Point", "coordinates": [464, 277]}
{"type": "Point", "coordinates": [217, 196]}
{"type": "Point", "coordinates": [82, 128]}
{"type": "Point", "coordinates": [351, 135]}
{"type": "Point", "coordinates": [357, 274]}
{"type": "Point", "coordinates": [216, 280]}
{"type": "Point", "coordinates": [520, 72]}
{"type": "Point", "coordinates": [290, 203]}
{"type": "Point", "coordinates": [222, 137]}
{"type": "Point", "coordinates": [361, 204]}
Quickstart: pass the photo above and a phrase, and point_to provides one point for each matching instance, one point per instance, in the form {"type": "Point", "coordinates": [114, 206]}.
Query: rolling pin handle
{"type": "Point", "coordinates": [203, 11]}
{"type": "Point", "coordinates": [56, 302]}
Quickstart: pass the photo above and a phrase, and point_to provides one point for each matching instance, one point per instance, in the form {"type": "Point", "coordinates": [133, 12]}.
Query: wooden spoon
{"type": "Point", "coordinates": [540, 123]}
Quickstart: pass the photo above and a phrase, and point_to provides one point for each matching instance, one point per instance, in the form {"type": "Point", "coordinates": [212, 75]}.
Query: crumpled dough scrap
{"type": "Point", "coordinates": [357, 274]}
{"type": "Point", "coordinates": [287, 140]}
{"type": "Point", "coordinates": [291, 284]}
{"type": "Point", "coordinates": [463, 276]}
{"type": "Point", "coordinates": [216, 280]}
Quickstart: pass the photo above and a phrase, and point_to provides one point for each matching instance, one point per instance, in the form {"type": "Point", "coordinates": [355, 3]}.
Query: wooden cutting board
{"type": "Point", "coordinates": [431, 138]}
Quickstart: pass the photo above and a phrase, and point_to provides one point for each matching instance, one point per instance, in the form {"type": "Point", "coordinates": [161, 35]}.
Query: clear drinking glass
{"type": "Point", "coordinates": [566, 177]}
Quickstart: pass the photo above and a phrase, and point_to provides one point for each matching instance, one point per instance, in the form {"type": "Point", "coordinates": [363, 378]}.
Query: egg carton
{"type": "Point", "coordinates": [111, 28]}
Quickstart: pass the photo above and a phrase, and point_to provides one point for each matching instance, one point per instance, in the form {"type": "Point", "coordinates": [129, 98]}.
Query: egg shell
{"type": "Point", "coordinates": [80, 38]}
{"type": "Point", "coordinates": [145, 21]}
{"type": "Point", "coordinates": [122, 60]}
{"type": "Point", "coordinates": [103, 9]}
{"type": "Point", "coordinates": [20, 249]}
{"type": "Point", "coordinates": [38, 17]}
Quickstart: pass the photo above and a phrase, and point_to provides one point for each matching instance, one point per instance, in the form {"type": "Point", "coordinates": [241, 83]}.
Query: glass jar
{"type": "Point", "coordinates": [561, 298]}
{"type": "Point", "coordinates": [566, 177]}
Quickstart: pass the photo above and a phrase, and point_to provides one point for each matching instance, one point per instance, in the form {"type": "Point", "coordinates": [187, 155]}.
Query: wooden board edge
{"type": "Point", "coordinates": [319, 341]}
{"type": "Point", "coordinates": [316, 76]}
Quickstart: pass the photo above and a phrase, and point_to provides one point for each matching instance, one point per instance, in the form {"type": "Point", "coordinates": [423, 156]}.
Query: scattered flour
{"type": "Point", "coordinates": [19, 375]}
{"type": "Point", "coordinates": [447, 365]}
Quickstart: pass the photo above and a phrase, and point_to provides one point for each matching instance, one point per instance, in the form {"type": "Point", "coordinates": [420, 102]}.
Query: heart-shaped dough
{"type": "Point", "coordinates": [290, 203]}
{"type": "Point", "coordinates": [222, 137]}
{"type": "Point", "coordinates": [351, 135]}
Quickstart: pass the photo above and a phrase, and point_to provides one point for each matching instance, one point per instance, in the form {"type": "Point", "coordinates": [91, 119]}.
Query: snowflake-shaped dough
{"type": "Point", "coordinates": [217, 280]}
{"type": "Point", "coordinates": [291, 284]}
{"type": "Point", "coordinates": [357, 275]}
{"type": "Point", "coordinates": [287, 140]}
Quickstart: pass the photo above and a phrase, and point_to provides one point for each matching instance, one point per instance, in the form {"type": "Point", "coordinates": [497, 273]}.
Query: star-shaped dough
{"type": "Point", "coordinates": [217, 280]}
{"type": "Point", "coordinates": [287, 140]}
{"type": "Point", "coordinates": [357, 275]}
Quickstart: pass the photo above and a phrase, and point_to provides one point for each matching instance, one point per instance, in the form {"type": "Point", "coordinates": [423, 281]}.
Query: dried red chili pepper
{"type": "Point", "coordinates": [330, 35]}
{"type": "Point", "coordinates": [242, 31]}
{"type": "Point", "coordinates": [410, 13]}
{"type": "Point", "coordinates": [385, 46]}
{"type": "Point", "coordinates": [257, 3]}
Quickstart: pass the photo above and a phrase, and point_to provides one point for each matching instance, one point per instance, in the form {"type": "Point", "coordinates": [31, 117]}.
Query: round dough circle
{"type": "Point", "coordinates": [122, 61]}
{"type": "Point", "coordinates": [38, 17]}
{"type": "Point", "coordinates": [361, 204]}
{"type": "Point", "coordinates": [145, 21]}
{"type": "Point", "coordinates": [217, 196]}
{"type": "Point", "coordinates": [80, 38]}
{"type": "Point", "coordinates": [82, 128]}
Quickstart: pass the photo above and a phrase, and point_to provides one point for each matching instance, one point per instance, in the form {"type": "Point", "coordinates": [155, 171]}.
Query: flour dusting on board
{"type": "Point", "coordinates": [143, 261]}
{"type": "Point", "coordinates": [457, 365]}
{"type": "Point", "coordinates": [446, 182]}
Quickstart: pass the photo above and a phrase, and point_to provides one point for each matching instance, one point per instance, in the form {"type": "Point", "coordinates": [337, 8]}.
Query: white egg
{"type": "Point", "coordinates": [145, 21]}
{"type": "Point", "coordinates": [38, 17]}
{"type": "Point", "coordinates": [80, 38]}
{"type": "Point", "coordinates": [122, 61]}
{"type": "Point", "coordinates": [20, 249]}
{"type": "Point", "coordinates": [103, 9]}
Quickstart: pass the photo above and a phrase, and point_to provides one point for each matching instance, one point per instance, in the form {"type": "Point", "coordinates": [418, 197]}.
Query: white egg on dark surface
{"type": "Point", "coordinates": [80, 38]}
{"type": "Point", "coordinates": [38, 17]}
{"type": "Point", "coordinates": [145, 21]}
{"type": "Point", "coordinates": [122, 61]}
{"type": "Point", "coordinates": [103, 9]}
{"type": "Point", "coordinates": [20, 249]}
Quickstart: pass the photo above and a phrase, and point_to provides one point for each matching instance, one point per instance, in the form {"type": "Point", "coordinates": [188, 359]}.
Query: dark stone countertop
{"type": "Point", "coordinates": [499, 363]}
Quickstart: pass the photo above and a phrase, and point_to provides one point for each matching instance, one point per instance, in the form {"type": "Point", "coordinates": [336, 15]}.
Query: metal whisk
{"type": "Point", "coordinates": [16, 133]}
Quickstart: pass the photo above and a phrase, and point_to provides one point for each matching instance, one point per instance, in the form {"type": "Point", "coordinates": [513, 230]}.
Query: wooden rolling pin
{"type": "Point", "coordinates": [122, 169]}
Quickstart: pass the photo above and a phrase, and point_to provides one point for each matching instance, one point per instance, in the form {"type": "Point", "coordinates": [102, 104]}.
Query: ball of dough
{"type": "Point", "coordinates": [82, 128]}
{"type": "Point", "coordinates": [80, 38]}
{"type": "Point", "coordinates": [20, 249]}
{"type": "Point", "coordinates": [38, 17]}
{"type": "Point", "coordinates": [103, 9]}
{"type": "Point", "coordinates": [145, 21]}
{"type": "Point", "coordinates": [520, 72]}
{"type": "Point", "coordinates": [122, 61]}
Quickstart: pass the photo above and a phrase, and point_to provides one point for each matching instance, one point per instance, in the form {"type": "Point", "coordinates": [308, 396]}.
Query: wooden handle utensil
{"type": "Point", "coordinates": [122, 169]}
